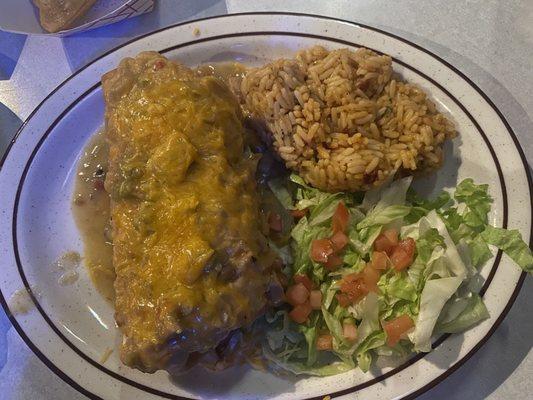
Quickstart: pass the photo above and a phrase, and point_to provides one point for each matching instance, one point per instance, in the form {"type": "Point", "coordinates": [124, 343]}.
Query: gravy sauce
{"type": "Point", "coordinates": [90, 207]}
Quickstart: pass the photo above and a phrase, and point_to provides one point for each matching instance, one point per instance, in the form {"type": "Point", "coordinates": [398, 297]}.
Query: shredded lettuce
{"type": "Point", "coordinates": [479, 251]}
{"type": "Point", "coordinates": [462, 314]}
{"type": "Point", "coordinates": [477, 201]}
{"type": "Point", "coordinates": [398, 286]}
{"type": "Point", "coordinates": [363, 354]}
{"type": "Point", "coordinates": [325, 209]}
{"type": "Point", "coordinates": [438, 291]}
{"type": "Point", "coordinates": [512, 244]}
{"type": "Point", "coordinates": [435, 294]}
{"type": "Point", "coordinates": [383, 216]}
{"type": "Point", "coordinates": [369, 317]}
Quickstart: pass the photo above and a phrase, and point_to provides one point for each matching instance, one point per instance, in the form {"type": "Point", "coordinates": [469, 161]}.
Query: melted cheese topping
{"type": "Point", "coordinates": [189, 254]}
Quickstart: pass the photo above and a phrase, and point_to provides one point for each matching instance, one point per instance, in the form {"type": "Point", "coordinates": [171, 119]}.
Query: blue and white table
{"type": "Point", "coordinates": [489, 40]}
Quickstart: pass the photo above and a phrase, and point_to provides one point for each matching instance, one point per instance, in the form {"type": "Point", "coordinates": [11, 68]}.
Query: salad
{"type": "Point", "coordinates": [379, 274]}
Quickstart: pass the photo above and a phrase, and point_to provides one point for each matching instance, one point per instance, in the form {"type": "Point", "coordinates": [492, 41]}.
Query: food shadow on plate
{"type": "Point", "coordinates": [9, 123]}
{"type": "Point", "coordinates": [208, 384]}
{"type": "Point", "coordinates": [384, 364]}
{"type": "Point", "coordinates": [446, 177]}
{"type": "Point", "coordinates": [513, 336]}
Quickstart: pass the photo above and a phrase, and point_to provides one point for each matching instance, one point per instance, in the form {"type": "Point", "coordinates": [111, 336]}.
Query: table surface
{"type": "Point", "coordinates": [489, 40]}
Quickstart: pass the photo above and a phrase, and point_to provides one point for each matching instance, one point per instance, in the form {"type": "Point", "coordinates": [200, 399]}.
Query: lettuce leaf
{"type": "Point", "coordinates": [478, 203]}
{"type": "Point", "coordinates": [420, 206]}
{"type": "Point", "coordinates": [394, 285]}
{"type": "Point", "coordinates": [389, 194]}
{"type": "Point", "coordinates": [372, 341]}
{"type": "Point", "coordinates": [300, 368]}
{"type": "Point", "coordinates": [479, 251]}
{"type": "Point", "coordinates": [310, 333]}
{"type": "Point", "coordinates": [384, 216]}
{"type": "Point", "coordinates": [472, 311]}
{"type": "Point", "coordinates": [435, 294]}
{"type": "Point", "coordinates": [512, 244]}
{"type": "Point", "coordinates": [325, 209]}
{"type": "Point", "coordinates": [369, 317]}
{"type": "Point", "coordinates": [453, 259]}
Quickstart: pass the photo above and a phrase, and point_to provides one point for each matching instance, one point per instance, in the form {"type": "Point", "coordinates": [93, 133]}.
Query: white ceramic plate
{"type": "Point", "coordinates": [71, 327]}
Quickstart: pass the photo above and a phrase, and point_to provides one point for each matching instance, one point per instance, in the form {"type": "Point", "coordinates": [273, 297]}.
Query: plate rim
{"type": "Point", "coordinates": [152, 390]}
{"type": "Point", "coordinates": [515, 140]}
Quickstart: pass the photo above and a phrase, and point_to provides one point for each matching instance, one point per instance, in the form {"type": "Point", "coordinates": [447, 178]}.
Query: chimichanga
{"type": "Point", "coordinates": [57, 15]}
{"type": "Point", "coordinates": [191, 260]}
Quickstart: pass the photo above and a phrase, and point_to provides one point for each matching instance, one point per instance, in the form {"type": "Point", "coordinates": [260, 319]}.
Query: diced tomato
{"type": "Point", "coordinates": [334, 262]}
{"type": "Point", "coordinates": [339, 240]}
{"type": "Point", "coordinates": [383, 244]}
{"type": "Point", "coordinates": [299, 213]}
{"type": "Point", "coordinates": [343, 299]}
{"type": "Point", "coordinates": [304, 279]}
{"type": "Point", "coordinates": [321, 249]}
{"type": "Point", "coordinates": [324, 342]}
{"type": "Point", "coordinates": [386, 241]}
{"type": "Point", "coordinates": [274, 222]}
{"type": "Point", "coordinates": [300, 312]}
{"type": "Point", "coordinates": [297, 294]}
{"type": "Point", "coordinates": [402, 255]}
{"type": "Point", "coordinates": [371, 277]}
{"type": "Point", "coordinates": [379, 260]}
{"type": "Point", "coordinates": [400, 260]}
{"type": "Point", "coordinates": [315, 299]}
{"type": "Point", "coordinates": [408, 245]}
{"type": "Point", "coordinates": [396, 328]}
{"type": "Point", "coordinates": [353, 285]}
{"type": "Point", "coordinates": [392, 235]}
{"type": "Point", "coordinates": [349, 331]}
{"type": "Point", "coordinates": [340, 218]}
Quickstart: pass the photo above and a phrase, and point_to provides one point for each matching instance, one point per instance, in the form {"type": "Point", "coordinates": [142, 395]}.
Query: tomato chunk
{"type": "Point", "coordinates": [334, 262]}
{"type": "Point", "coordinates": [379, 260]}
{"type": "Point", "coordinates": [343, 299]}
{"type": "Point", "coordinates": [340, 218]}
{"type": "Point", "coordinates": [400, 260]}
{"type": "Point", "coordinates": [371, 277]}
{"type": "Point", "coordinates": [402, 255]}
{"type": "Point", "coordinates": [299, 213]}
{"type": "Point", "coordinates": [300, 312]}
{"type": "Point", "coordinates": [386, 241]}
{"type": "Point", "coordinates": [315, 299]}
{"type": "Point", "coordinates": [392, 235]}
{"type": "Point", "coordinates": [408, 245]}
{"type": "Point", "coordinates": [305, 280]}
{"type": "Point", "coordinates": [339, 240]}
{"type": "Point", "coordinates": [324, 342]}
{"type": "Point", "coordinates": [321, 249]}
{"type": "Point", "coordinates": [396, 328]}
{"type": "Point", "coordinates": [274, 222]}
{"type": "Point", "coordinates": [354, 287]}
{"type": "Point", "coordinates": [349, 331]}
{"type": "Point", "coordinates": [297, 294]}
